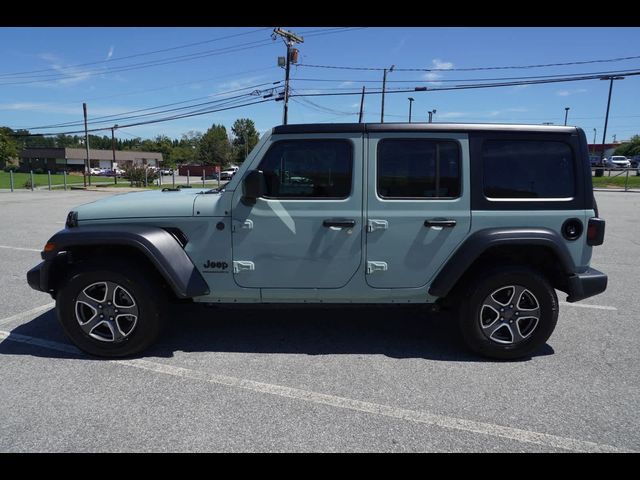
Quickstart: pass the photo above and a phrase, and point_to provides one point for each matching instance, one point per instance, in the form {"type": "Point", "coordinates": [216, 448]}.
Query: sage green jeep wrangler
{"type": "Point", "coordinates": [489, 219]}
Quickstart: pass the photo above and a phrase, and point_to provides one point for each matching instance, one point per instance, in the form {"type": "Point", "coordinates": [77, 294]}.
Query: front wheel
{"type": "Point", "coordinates": [508, 313]}
{"type": "Point", "coordinates": [110, 309]}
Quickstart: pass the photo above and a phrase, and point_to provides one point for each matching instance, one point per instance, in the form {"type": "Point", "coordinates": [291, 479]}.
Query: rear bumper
{"type": "Point", "coordinates": [585, 285]}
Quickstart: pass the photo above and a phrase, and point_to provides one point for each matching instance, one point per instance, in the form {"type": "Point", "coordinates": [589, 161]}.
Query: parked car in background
{"type": "Point", "coordinates": [619, 161]}
{"type": "Point", "coordinates": [227, 174]}
{"type": "Point", "coordinates": [166, 171]}
{"type": "Point", "coordinates": [635, 161]}
{"type": "Point", "coordinates": [95, 171]}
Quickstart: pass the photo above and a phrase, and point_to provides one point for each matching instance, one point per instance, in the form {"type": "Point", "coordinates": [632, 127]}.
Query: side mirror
{"type": "Point", "coordinates": [253, 187]}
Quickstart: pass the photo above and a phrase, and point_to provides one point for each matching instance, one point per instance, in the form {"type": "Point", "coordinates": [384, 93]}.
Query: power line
{"type": "Point", "coordinates": [31, 78]}
{"type": "Point", "coordinates": [442, 80]}
{"type": "Point", "coordinates": [117, 59]}
{"type": "Point", "coordinates": [470, 69]}
{"type": "Point", "coordinates": [153, 63]}
{"type": "Point", "coordinates": [148, 122]}
{"type": "Point", "coordinates": [118, 116]}
{"type": "Point", "coordinates": [146, 90]}
{"type": "Point", "coordinates": [465, 87]}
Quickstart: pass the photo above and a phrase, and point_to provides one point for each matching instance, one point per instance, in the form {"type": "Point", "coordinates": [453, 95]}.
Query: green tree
{"type": "Point", "coordinates": [245, 137]}
{"type": "Point", "coordinates": [214, 147]}
{"type": "Point", "coordinates": [8, 146]}
{"type": "Point", "coordinates": [629, 149]}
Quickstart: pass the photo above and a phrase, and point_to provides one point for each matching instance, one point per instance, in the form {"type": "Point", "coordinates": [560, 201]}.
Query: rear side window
{"type": "Point", "coordinates": [309, 169]}
{"type": "Point", "coordinates": [528, 169]}
{"type": "Point", "coordinates": [418, 168]}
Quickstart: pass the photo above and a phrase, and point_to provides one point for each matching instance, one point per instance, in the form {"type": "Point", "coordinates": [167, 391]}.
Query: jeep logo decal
{"type": "Point", "coordinates": [216, 264]}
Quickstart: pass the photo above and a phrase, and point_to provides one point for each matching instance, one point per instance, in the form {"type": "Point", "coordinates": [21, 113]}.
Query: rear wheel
{"type": "Point", "coordinates": [508, 313]}
{"type": "Point", "coordinates": [110, 309]}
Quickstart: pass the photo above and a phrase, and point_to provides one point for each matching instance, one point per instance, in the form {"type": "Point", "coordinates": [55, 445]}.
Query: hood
{"type": "Point", "coordinates": [152, 204]}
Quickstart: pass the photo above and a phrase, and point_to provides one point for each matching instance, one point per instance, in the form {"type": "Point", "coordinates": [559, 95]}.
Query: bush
{"type": "Point", "coordinates": [10, 168]}
{"type": "Point", "coordinates": [38, 171]}
{"type": "Point", "coordinates": [136, 175]}
{"type": "Point", "coordinates": [27, 184]}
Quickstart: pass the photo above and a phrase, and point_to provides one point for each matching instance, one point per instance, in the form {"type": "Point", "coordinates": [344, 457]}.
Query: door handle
{"type": "Point", "coordinates": [440, 222]}
{"type": "Point", "coordinates": [339, 223]}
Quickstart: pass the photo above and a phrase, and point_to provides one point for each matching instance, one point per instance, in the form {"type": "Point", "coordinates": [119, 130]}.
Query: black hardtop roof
{"type": "Point", "coordinates": [416, 127]}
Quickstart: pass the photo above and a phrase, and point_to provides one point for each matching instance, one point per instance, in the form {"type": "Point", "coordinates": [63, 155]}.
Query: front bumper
{"type": "Point", "coordinates": [38, 277]}
{"type": "Point", "coordinates": [586, 284]}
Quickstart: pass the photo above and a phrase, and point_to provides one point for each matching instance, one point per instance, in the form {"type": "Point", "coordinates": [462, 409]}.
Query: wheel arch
{"type": "Point", "coordinates": [540, 249]}
{"type": "Point", "coordinates": [153, 248]}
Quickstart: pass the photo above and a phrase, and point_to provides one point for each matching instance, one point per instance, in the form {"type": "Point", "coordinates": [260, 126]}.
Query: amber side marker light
{"type": "Point", "coordinates": [49, 247]}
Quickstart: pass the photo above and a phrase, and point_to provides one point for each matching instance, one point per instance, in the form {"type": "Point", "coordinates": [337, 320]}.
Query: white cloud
{"type": "Point", "coordinates": [433, 77]}
{"type": "Point", "coordinates": [346, 84]}
{"type": "Point", "coordinates": [110, 54]}
{"type": "Point", "coordinates": [440, 65]}
{"type": "Point", "coordinates": [72, 75]}
{"type": "Point", "coordinates": [61, 108]}
{"type": "Point", "coordinates": [566, 93]}
{"type": "Point", "coordinates": [453, 114]}
{"type": "Point", "coordinates": [237, 84]}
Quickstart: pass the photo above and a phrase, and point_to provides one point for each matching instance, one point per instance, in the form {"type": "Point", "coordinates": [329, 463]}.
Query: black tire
{"type": "Point", "coordinates": [515, 332]}
{"type": "Point", "coordinates": [137, 289]}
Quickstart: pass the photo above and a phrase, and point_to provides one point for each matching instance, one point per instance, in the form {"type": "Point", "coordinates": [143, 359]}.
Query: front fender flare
{"type": "Point", "coordinates": [155, 243]}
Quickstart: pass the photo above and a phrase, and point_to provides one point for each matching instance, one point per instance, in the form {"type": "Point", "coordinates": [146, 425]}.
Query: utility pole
{"type": "Point", "coordinates": [113, 151]}
{"type": "Point", "coordinates": [566, 113]}
{"type": "Point", "coordinates": [361, 106]}
{"type": "Point", "coordinates": [384, 86]}
{"type": "Point", "coordinates": [594, 140]}
{"type": "Point", "coordinates": [289, 39]}
{"type": "Point", "coordinates": [246, 145]}
{"type": "Point", "coordinates": [431, 114]}
{"type": "Point", "coordinates": [86, 143]}
{"type": "Point", "coordinates": [410, 103]}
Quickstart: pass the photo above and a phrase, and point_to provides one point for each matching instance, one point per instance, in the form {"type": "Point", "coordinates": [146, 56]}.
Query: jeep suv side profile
{"type": "Point", "coordinates": [487, 219]}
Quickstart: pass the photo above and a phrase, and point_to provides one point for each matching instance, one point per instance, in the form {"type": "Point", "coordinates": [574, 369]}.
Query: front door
{"type": "Point", "coordinates": [417, 205]}
{"type": "Point", "coordinates": [306, 231]}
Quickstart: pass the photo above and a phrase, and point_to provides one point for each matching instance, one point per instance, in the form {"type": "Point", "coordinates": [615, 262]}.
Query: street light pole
{"type": "Point", "coordinates": [113, 151]}
{"type": "Point", "coordinates": [594, 140]}
{"type": "Point", "coordinates": [384, 86]}
{"type": "Point", "coordinates": [566, 113]}
{"type": "Point", "coordinates": [431, 114]}
{"type": "Point", "coordinates": [410, 103]}
{"type": "Point", "coordinates": [606, 118]}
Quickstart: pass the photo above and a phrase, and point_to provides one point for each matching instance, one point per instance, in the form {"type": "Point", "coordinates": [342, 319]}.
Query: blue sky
{"type": "Point", "coordinates": [47, 73]}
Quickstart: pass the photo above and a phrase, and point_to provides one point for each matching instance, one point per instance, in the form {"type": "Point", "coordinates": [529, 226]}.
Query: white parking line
{"type": "Point", "coordinates": [586, 305]}
{"type": "Point", "coordinates": [520, 435]}
{"type": "Point", "coordinates": [21, 248]}
{"type": "Point", "coordinates": [28, 313]}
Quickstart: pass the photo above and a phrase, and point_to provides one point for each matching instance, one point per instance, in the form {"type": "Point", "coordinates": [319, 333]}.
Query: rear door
{"type": "Point", "coordinates": [418, 206]}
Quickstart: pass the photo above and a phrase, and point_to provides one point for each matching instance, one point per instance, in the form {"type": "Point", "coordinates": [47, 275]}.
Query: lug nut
{"type": "Point", "coordinates": [101, 316]}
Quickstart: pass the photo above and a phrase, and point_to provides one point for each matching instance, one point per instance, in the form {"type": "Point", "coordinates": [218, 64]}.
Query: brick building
{"type": "Point", "coordinates": [73, 159]}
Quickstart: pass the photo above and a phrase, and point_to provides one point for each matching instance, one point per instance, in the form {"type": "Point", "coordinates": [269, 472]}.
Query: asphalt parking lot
{"type": "Point", "coordinates": [320, 379]}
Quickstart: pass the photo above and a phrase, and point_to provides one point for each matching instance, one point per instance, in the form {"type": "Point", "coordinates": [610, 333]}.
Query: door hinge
{"type": "Point", "coordinates": [246, 225]}
{"type": "Point", "coordinates": [377, 225]}
{"type": "Point", "coordinates": [376, 267]}
{"type": "Point", "coordinates": [243, 265]}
